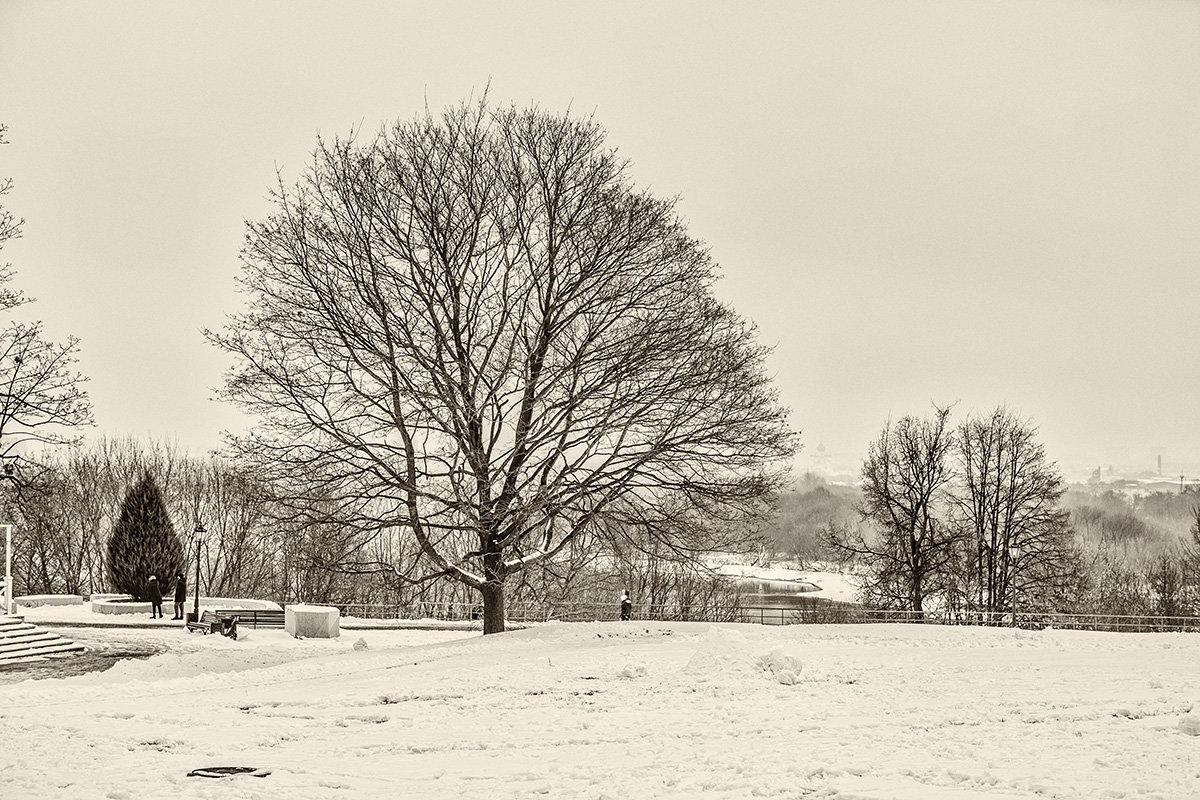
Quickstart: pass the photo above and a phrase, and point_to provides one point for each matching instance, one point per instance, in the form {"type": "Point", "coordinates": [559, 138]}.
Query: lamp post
{"type": "Point", "coordinates": [199, 541]}
{"type": "Point", "coordinates": [8, 581]}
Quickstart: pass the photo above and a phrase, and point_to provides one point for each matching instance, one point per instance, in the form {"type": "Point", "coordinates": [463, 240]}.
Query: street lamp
{"type": "Point", "coordinates": [199, 541]}
{"type": "Point", "coordinates": [8, 581]}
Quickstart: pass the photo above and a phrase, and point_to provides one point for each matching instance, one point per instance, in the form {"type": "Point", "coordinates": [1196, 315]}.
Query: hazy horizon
{"type": "Point", "coordinates": [974, 203]}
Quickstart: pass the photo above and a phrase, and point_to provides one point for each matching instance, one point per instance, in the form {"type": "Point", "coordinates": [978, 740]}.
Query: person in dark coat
{"type": "Point", "coordinates": [180, 594]}
{"type": "Point", "coordinates": [626, 605]}
{"type": "Point", "coordinates": [154, 592]}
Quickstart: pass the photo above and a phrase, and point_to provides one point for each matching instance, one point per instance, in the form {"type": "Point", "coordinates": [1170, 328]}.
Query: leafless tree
{"type": "Point", "coordinates": [907, 543]}
{"type": "Point", "coordinates": [474, 331]}
{"type": "Point", "coordinates": [1167, 581]}
{"type": "Point", "coordinates": [1017, 538]}
{"type": "Point", "coordinates": [42, 401]}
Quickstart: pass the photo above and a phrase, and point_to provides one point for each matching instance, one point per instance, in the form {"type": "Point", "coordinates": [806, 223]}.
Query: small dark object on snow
{"type": "Point", "coordinates": [224, 772]}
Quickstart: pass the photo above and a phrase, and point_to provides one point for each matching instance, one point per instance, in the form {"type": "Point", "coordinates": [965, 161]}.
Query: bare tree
{"type": "Point", "coordinates": [1167, 582]}
{"type": "Point", "coordinates": [905, 481]}
{"type": "Point", "coordinates": [42, 400]}
{"type": "Point", "coordinates": [1017, 536]}
{"type": "Point", "coordinates": [474, 331]}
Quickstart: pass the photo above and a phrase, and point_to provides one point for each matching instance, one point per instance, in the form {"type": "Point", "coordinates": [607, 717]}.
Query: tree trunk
{"type": "Point", "coordinates": [493, 606]}
{"type": "Point", "coordinates": [917, 596]}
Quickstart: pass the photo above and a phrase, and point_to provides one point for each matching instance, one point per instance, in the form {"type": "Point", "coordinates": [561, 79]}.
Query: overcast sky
{"type": "Point", "coordinates": [971, 202]}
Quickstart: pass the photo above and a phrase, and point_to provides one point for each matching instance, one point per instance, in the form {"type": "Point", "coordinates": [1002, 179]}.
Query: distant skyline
{"type": "Point", "coordinates": [952, 202]}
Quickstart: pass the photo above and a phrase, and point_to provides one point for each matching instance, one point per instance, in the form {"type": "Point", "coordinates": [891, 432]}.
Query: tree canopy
{"type": "Point", "coordinates": [474, 332]}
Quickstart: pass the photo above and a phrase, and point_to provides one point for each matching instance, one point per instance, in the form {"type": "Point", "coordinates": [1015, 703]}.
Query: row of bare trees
{"type": "Point", "coordinates": [66, 508]}
{"type": "Point", "coordinates": [252, 546]}
{"type": "Point", "coordinates": [966, 517]}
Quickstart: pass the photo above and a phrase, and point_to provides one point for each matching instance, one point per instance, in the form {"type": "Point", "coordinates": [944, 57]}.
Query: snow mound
{"type": "Point", "coordinates": [632, 671]}
{"type": "Point", "coordinates": [361, 644]}
{"type": "Point", "coordinates": [1189, 723]}
{"type": "Point", "coordinates": [782, 667]}
{"type": "Point", "coordinates": [722, 653]}
{"type": "Point", "coordinates": [726, 653]}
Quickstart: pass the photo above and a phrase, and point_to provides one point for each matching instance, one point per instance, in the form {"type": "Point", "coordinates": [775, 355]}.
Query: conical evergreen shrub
{"type": "Point", "coordinates": [143, 542]}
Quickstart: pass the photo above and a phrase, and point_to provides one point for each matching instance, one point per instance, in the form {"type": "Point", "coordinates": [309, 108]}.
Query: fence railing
{"type": "Point", "coordinates": [1022, 619]}
{"type": "Point", "coordinates": [560, 612]}
{"type": "Point", "coordinates": [817, 614]}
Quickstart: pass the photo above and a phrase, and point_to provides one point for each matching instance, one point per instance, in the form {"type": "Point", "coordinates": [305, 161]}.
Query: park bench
{"type": "Point", "coordinates": [226, 620]}
{"type": "Point", "coordinates": [214, 622]}
{"type": "Point", "coordinates": [255, 617]}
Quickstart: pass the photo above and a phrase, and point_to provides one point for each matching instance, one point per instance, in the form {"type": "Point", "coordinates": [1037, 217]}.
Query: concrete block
{"type": "Point", "coordinates": [311, 622]}
{"type": "Point", "coordinates": [35, 600]}
{"type": "Point", "coordinates": [121, 605]}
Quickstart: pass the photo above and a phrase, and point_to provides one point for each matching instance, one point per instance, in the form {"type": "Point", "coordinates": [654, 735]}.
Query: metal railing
{"type": "Point", "coordinates": [1031, 620]}
{"type": "Point", "coordinates": [522, 612]}
{"type": "Point", "coordinates": [843, 614]}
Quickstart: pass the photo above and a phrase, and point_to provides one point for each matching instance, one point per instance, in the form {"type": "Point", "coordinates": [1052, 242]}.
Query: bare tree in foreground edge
{"type": "Point", "coordinates": [41, 395]}
{"type": "Point", "coordinates": [474, 332]}
{"type": "Point", "coordinates": [904, 483]}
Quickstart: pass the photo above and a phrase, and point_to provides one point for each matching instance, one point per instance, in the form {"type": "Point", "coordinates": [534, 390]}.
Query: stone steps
{"type": "Point", "coordinates": [25, 637]}
{"type": "Point", "coordinates": [21, 640]}
{"type": "Point", "coordinates": [66, 647]}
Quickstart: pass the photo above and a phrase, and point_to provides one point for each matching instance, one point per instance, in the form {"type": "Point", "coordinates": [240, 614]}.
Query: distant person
{"type": "Point", "coordinates": [154, 591]}
{"type": "Point", "coordinates": [180, 594]}
{"type": "Point", "coordinates": [626, 605]}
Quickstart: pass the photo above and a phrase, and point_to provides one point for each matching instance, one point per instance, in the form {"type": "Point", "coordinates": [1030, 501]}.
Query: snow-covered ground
{"type": "Point", "coordinates": [620, 710]}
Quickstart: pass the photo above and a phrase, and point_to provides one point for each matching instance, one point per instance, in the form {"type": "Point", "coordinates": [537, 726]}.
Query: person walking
{"type": "Point", "coordinates": [154, 592]}
{"type": "Point", "coordinates": [626, 605]}
{"type": "Point", "coordinates": [180, 594]}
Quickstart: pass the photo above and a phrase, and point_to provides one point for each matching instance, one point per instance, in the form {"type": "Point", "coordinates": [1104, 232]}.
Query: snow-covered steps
{"type": "Point", "coordinates": [20, 639]}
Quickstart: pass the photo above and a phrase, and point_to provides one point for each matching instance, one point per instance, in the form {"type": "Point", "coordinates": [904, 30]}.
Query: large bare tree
{"type": "Point", "coordinates": [905, 484]}
{"type": "Point", "coordinates": [474, 330]}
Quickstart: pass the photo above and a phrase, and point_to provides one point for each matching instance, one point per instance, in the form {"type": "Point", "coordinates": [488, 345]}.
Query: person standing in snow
{"type": "Point", "coordinates": [154, 592]}
{"type": "Point", "coordinates": [180, 594]}
{"type": "Point", "coordinates": [626, 605]}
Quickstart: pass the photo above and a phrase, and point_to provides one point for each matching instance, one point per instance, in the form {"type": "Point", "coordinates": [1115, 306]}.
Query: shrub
{"type": "Point", "coordinates": [143, 542]}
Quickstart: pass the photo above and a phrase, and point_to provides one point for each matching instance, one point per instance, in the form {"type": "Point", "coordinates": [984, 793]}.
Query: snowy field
{"type": "Point", "coordinates": [625, 711]}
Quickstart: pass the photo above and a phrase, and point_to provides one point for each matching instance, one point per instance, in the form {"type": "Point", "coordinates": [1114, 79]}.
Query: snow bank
{"type": "Point", "coordinates": [1189, 723]}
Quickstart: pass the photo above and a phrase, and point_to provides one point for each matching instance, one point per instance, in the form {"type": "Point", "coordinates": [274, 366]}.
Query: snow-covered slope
{"type": "Point", "coordinates": [623, 710]}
